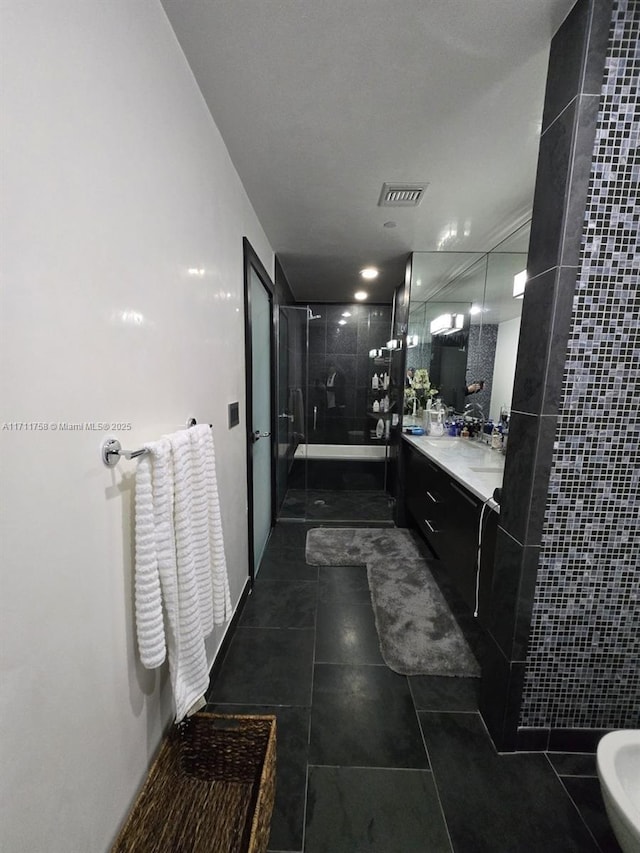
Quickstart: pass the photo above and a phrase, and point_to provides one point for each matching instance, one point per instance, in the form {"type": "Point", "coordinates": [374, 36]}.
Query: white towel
{"type": "Point", "coordinates": [181, 578]}
{"type": "Point", "coordinates": [202, 437]}
{"type": "Point", "coordinates": [148, 594]}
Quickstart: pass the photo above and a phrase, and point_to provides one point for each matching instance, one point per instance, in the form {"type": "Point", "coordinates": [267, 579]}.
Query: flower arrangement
{"type": "Point", "coordinates": [420, 390]}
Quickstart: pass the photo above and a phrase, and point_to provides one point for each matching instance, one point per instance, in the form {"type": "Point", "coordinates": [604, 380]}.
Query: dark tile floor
{"type": "Point", "coordinates": [369, 760]}
{"type": "Point", "coordinates": [337, 505]}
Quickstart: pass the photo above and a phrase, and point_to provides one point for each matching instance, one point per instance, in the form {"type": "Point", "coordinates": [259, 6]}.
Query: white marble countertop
{"type": "Point", "coordinates": [472, 463]}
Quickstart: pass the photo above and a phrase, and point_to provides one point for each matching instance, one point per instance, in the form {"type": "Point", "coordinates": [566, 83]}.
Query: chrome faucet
{"type": "Point", "coordinates": [474, 413]}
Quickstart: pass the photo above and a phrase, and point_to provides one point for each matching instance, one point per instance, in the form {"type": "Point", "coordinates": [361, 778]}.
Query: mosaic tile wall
{"type": "Point", "coordinates": [583, 665]}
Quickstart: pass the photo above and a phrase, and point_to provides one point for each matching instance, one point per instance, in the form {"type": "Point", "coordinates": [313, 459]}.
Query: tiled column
{"type": "Point", "coordinates": [576, 67]}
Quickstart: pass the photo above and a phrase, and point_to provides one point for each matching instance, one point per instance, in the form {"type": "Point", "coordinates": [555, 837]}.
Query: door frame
{"type": "Point", "coordinates": [251, 261]}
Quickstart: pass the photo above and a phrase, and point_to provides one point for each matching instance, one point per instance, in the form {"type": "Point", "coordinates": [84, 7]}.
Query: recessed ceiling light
{"type": "Point", "coordinates": [360, 295]}
{"type": "Point", "coordinates": [369, 273]}
{"type": "Point", "coordinates": [342, 322]}
{"type": "Point", "coordinates": [389, 224]}
{"type": "Point", "coordinates": [346, 313]}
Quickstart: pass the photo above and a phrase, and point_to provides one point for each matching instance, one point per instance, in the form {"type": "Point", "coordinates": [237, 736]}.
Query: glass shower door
{"type": "Point", "coordinates": [292, 412]}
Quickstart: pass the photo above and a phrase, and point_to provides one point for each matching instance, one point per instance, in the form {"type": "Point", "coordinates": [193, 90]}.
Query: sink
{"type": "Point", "coordinates": [487, 470]}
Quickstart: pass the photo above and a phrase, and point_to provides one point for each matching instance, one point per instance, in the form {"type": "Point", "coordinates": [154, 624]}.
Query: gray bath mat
{"type": "Point", "coordinates": [418, 634]}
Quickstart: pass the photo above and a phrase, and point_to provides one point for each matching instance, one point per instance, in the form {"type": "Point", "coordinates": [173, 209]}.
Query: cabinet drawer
{"type": "Point", "coordinates": [448, 516]}
{"type": "Point", "coordinates": [426, 493]}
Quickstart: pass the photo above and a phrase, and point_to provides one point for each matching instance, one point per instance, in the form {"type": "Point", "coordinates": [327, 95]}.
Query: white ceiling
{"type": "Point", "coordinates": [322, 101]}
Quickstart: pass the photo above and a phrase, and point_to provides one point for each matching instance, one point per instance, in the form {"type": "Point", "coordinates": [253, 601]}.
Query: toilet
{"type": "Point", "coordinates": [618, 762]}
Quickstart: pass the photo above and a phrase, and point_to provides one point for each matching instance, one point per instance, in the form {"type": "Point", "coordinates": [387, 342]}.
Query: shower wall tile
{"type": "Point", "coordinates": [341, 339]}
{"type": "Point", "coordinates": [346, 346]}
{"type": "Point", "coordinates": [318, 336]}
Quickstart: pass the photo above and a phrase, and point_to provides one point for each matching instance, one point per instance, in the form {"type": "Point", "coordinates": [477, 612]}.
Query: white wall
{"type": "Point", "coordinates": [115, 182]}
{"type": "Point", "coordinates": [505, 366]}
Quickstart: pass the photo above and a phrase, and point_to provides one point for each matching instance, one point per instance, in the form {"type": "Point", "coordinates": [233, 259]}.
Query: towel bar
{"type": "Point", "coordinates": [111, 450]}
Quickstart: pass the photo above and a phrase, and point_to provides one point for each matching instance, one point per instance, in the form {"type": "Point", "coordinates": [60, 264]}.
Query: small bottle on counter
{"type": "Point", "coordinates": [465, 432]}
{"type": "Point", "coordinates": [496, 439]}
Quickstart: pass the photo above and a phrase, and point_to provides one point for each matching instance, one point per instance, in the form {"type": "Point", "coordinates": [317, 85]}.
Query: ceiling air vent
{"type": "Point", "coordinates": [401, 195]}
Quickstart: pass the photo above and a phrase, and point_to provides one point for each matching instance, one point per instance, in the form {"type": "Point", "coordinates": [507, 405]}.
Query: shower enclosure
{"type": "Point", "coordinates": [336, 412]}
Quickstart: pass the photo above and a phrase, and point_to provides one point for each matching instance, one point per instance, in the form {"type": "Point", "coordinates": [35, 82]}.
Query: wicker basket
{"type": "Point", "coordinates": [210, 790]}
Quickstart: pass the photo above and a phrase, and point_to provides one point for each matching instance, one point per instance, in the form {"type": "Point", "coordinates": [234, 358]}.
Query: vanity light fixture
{"type": "Point", "coordinates": [475, 309]}
{"type": "Point", "coordinates": [441, 324]}
{"type": "Point", "coordinates": [369, 273]}
{"type": "Point", "coordinates": [360, 295]}
{"type": "Point", "coordinates": [375, 353]}
{"type": "Point", "coordinates": [519, 282]}
{"type": "Point", "coordinates": [447, 324]}
{"type": "Point", "coordinates": [412, 341]}
{"type": "Point", "coordinates": [457, 325]}
{"type": "Point", "coordinates": [394, 343]}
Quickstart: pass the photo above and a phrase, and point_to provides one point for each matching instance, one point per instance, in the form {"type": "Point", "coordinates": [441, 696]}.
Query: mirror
{"type": "Point", "coordinates": [464, 322]}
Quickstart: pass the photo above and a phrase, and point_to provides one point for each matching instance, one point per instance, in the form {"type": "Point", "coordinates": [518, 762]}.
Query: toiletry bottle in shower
{"type": "Point", "coordinates": [375, 382]}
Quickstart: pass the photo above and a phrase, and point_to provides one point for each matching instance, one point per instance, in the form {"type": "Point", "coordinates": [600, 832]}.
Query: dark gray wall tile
{"type": "Point", "coordinates": [519, 471]}
{"type": "Point", "coordinates": [564, 292]}
{"type": "Point", "coordinates": [526, 597]}
{"type": "Point", "coordinates": [586, 118]}
{"type": "Point", "coordinates": [566, 62]}
{"type": "Point", "coordinates": [552, 178]}
{"type": "Point", "coordinates": [507, 571]}
{"type": "Point", "coordinates": [540, 486]}
{"type": "Point", "coordinates": [598, 43]}
{"type": "Point", "coordinates": [535, 331]}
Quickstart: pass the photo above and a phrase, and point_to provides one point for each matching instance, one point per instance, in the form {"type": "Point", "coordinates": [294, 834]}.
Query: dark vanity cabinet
{"type": "Point", "coordinates": [448, 516]}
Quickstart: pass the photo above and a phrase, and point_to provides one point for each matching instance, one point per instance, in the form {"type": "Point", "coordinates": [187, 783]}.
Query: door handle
{"type": "Point", "coordinates": [257, 435]}
{"type": "Point", "coordinates": [285, 415]}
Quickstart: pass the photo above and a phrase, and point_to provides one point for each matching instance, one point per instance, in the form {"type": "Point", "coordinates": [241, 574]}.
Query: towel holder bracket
{"type": "Point", "coordinates": [111, 451]}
